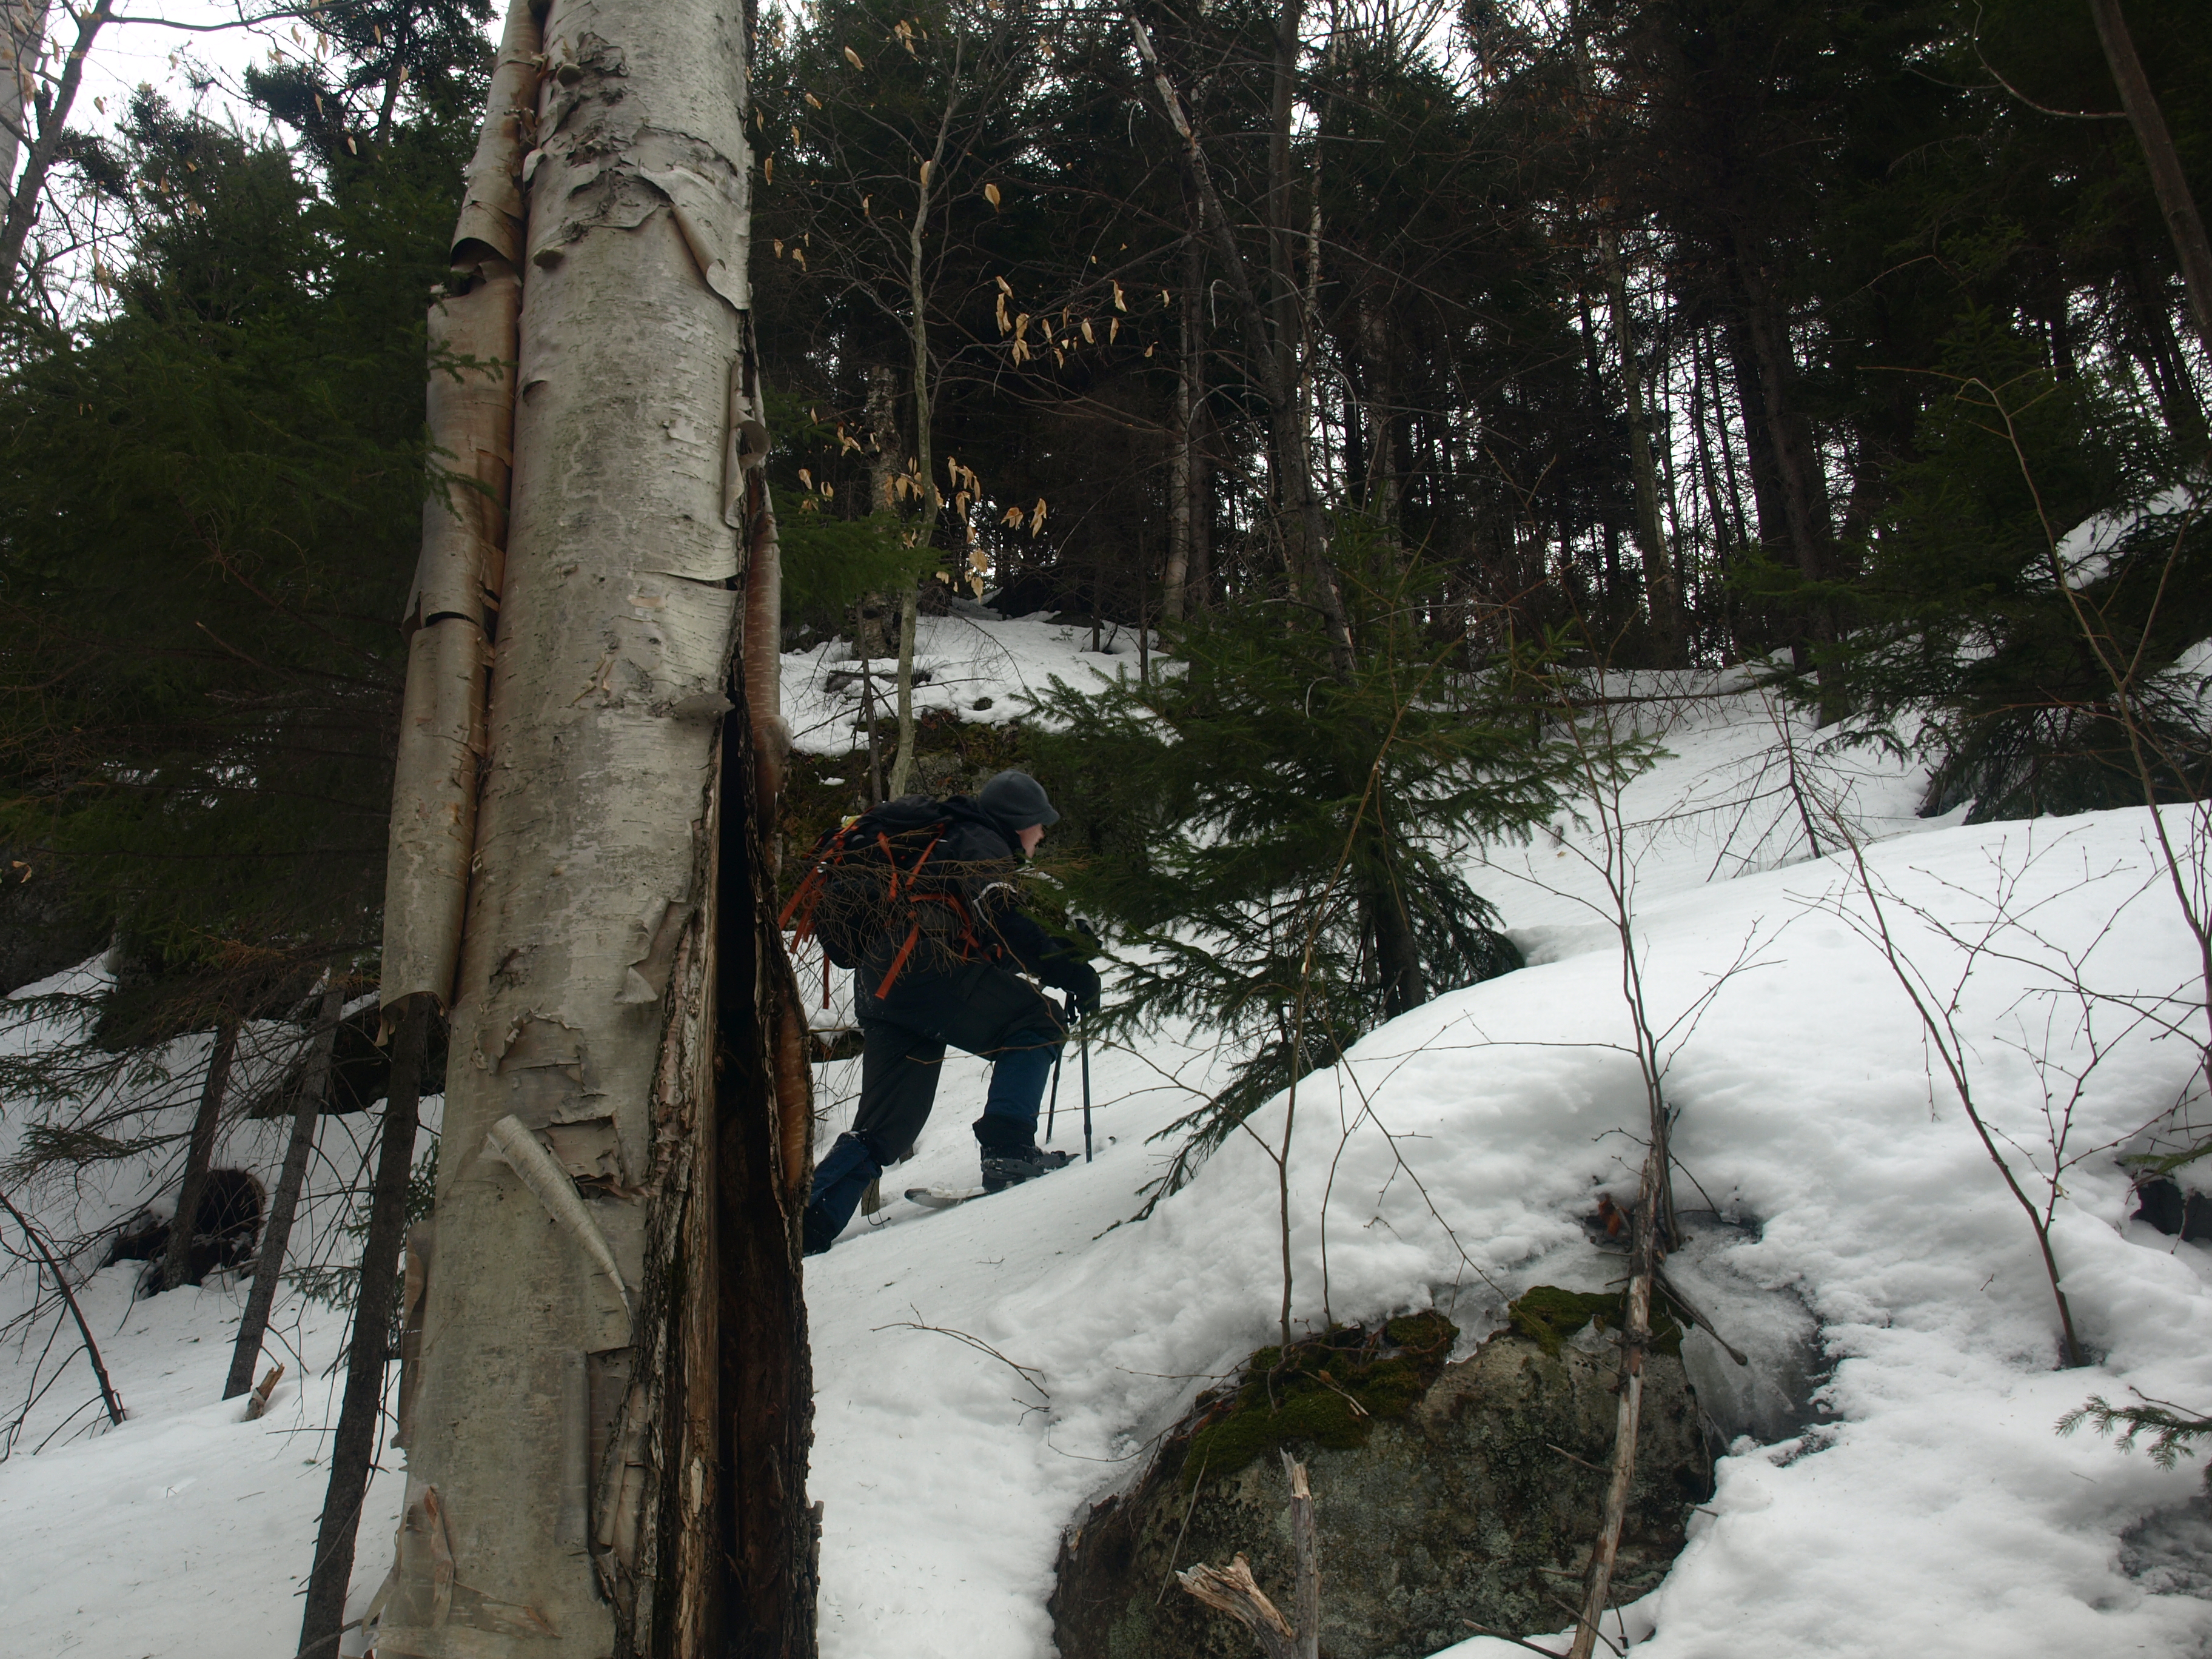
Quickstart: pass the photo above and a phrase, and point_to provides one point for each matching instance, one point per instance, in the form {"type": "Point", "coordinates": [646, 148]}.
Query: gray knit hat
{"type": "Point", "coordinates": [1017, 800]}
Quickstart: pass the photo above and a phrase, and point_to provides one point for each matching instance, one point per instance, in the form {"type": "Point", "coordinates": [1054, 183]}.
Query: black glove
{"type": "Point", "coordinates": [1080, 981]}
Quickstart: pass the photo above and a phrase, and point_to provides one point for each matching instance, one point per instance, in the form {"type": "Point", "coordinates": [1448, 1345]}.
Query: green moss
{"type": "Point", "coordinates": [1328, 1390]}
{"type": "Point", "coordinates": [1547, 1315]}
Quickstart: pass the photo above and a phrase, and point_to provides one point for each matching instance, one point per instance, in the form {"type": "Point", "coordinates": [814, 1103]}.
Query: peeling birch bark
{"type": "Point", "coordinates": [586, 1479]}
{"type": "Point", "coordinates": [453, 609]}
{"type": "Point", "coordinates": [22, 32]}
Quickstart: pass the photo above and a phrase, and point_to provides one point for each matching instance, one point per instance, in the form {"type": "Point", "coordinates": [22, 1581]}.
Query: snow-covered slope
{"type": "Point", "coordinates": [1448, 1161]}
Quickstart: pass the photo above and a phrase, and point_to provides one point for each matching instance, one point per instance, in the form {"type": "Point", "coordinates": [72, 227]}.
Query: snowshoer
{"type": "Point", "coordinates": [937, 947]}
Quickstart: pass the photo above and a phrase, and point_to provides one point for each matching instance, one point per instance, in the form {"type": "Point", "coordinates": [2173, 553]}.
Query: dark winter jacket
{"type": "Point", "coordinates": [978, 857]}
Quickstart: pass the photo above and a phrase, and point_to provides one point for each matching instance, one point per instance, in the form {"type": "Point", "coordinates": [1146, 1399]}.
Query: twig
{"type": "Point", "coordinates": [91, 1348]}
{"type": "Point", "coordinates": [1030, 1374]}
{"type": "Point", "coordinates": [1183, 1532]}
{"type": "Point", "coordinates": [1698, 1318]}
{"type": "Point", "coordinates": [1485, 1630]}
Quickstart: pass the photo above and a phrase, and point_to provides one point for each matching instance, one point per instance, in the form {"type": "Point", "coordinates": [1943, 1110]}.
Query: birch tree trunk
{"type": "Point", "coordinates": [22, 32]}
{"type": "Point", "coordinates": [608, 1428]}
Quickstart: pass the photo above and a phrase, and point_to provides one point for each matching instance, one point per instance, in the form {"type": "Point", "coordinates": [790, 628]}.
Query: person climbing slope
{"type": "Point", "coordinates": [918, 897]}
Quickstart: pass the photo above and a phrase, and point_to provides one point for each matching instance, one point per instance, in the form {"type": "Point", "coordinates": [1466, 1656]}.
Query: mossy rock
{"type": "Point", "coordinates": [1328, 1390]}
{"type": "Point", "coordinates": [1458, 1496]}
{"type": "Point", "coordinates": [1547, 1315]}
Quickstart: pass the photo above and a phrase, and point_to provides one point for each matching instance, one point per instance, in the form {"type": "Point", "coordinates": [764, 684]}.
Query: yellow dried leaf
{"type": "Point", "coordinates": [813, 100]}
{"type": "Point", "coordinates": [1089, 338]}
{"type": "Point", "coordinates": [779, 246]}
{"type": "Point", "coordinates": [794, 137]}
{"type": "Point", "coordinates": [807, 478]}
{"type": "Point", "coordinates": [1163, 299]}
{"type": "Point", "coordinates": [979, 559]}
{"type": "Point", "coordinates": [927, 166]}
{"type": "Point", "coordinates": [1004, 287]}
{"type": "Point", "coordinates": [829, 491]}
{"type": "Point", "coordinates": [1148, 351]}
{"type": "Point", "coordinates": [853, 59]}
{"type": "Point", "coordinates": [1114, 332]}
{"type": "Point", "coordinates": [799, 257]}
{"type": "Point", "coordinates": [1022, 325]}
{"type": "Point", "coordinates": [1013, 517]}
{"type": "Point", "coordinates": [1120, 304]}
{"type": "Point", "coordinates": [767, 169]}
{"type": "Point", "coordinates": [1004, 323]}
{"type": "Point", "coordinates": [991, 195]}
{"type": "Point", "coordinates": [865, 200]}
{"type": "Point", "coordinates": [1037, 519]}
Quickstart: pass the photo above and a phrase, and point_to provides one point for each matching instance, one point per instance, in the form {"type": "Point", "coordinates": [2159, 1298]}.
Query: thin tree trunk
{"type": "Point", "coordinates": [1272, 354]}
{"type": "Point", "coordinates": [618, 1189]}
{"type": "Point", "coordinates": [1635, 1340]}
{"type": "Point", "coordinates": [909, 625]}
{"type": "Point", "coordinates": [108, 1398]}
{"type": "Point", "coordinates": [277, 1231]}
{"type": "Point", "coordinates": [1379, 488]}
{"type": "Point", "coordinates": [930, 500]}
{"type": "Point", "coordinates": [53, 122]}
{"type": "Point", "coordinates": [1662, 599]}
{"type": "Point", "coordinates": [2175, 203]}
{"type": "Point", "coordinates": [176, 1259]}
{"type": "Point", "coordinates": [1181, 434]}
{"type": "Point", "coordinates": [353, 1448]}
{"type": "Point", "coordinates": [869, 640]}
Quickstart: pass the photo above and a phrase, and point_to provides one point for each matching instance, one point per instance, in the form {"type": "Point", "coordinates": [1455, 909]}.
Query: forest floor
{"type": "Point", "coordinates": [1894, 1483]}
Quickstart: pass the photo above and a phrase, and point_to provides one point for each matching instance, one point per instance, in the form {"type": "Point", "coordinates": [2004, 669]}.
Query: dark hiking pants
{"type": "Point", "coordinates": [979, 1008]}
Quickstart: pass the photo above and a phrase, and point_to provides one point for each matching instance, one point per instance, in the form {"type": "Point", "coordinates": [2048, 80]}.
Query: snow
{"type": "Point", "coordinates": [986, 1372]}
{"type": "Point", "coordinates": [971, 656]}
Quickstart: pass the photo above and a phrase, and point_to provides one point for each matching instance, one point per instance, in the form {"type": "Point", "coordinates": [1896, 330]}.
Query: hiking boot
{"type": "Point", "coordinates": [1013, 1165]}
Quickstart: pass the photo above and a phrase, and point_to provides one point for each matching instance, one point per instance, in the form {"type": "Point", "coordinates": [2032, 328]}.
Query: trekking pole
{"type": "Point", "coordinates": [1052, 1108]}
{"type": "Point", "coordinates": [1086, 1098]}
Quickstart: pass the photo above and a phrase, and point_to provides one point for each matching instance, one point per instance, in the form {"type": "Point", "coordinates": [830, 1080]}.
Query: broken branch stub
{"type": "Point", "coordinates": [1233, 1591]}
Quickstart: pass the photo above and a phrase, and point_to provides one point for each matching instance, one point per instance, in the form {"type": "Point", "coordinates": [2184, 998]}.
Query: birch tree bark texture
{"type": "Point", "coordinates": [589, 1469]}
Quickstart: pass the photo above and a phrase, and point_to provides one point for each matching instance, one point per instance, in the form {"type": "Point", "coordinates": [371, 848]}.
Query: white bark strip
{"type": "Point", "coordinates": [22, 32]}
{"type": "Point", "coordinates": [452, 610]}
{"type": "Point", "coordinates": [578, 1017]}
{"type": "Point", "coordinates": [521, 1152]}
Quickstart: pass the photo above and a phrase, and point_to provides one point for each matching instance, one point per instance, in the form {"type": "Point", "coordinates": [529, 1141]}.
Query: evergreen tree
{"type": "Point", "coordinates": [1277, 850]}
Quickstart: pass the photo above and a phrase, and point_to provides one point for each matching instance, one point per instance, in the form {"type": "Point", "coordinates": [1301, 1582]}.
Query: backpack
{"type": "Point", "coordinates": [873, 877]}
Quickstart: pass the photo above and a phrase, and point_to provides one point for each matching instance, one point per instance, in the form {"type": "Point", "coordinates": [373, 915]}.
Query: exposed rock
{"type": "Point", "coordinates": [1456, 1497]}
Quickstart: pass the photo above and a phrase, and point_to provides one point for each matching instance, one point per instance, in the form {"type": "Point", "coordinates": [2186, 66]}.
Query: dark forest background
{"type": "Point", "coordinates": [1648, 334]}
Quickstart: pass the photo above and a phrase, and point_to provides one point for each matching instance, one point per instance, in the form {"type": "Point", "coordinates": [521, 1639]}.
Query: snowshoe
{"type": "Point", "coordinates": [1010, 1168]}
